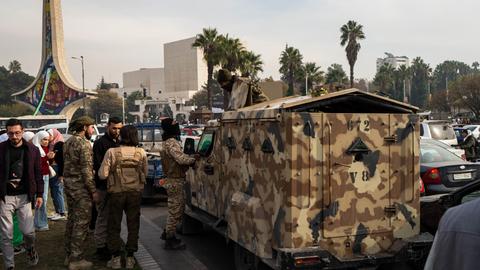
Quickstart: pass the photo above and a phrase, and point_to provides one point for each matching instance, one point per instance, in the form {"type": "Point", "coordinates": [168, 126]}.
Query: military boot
{"type": "Point", "coordinates": [79, 265]}
{"type": "Point", "coordinates": [173, 243]}
{"type": "Point", "coordinates": [103, 254]}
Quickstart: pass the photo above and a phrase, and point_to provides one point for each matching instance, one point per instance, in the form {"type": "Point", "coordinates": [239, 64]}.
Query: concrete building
{"type": "Point", "coordinates": [394, 61]}
{"type": "Point", "coordinates": [152, 79]}
{"type": "Point", "coordinates": [185, 69]}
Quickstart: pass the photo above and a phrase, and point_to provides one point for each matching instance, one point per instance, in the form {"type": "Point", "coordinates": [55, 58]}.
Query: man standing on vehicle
{"type": "Point", "coordinates": [243, 91]}
{"type": "Point", "coordinates": [21, 183]}
{"type": "Point", "coordinates": [80, 190]}
{"type": "Point", "coordinates": [100, 147]}
{"type": "Point", "coordinates": [174, 163]}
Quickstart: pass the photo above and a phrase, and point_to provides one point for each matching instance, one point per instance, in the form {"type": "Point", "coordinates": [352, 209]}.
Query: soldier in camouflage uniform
{"type": "Point", "coordinates": [243, 91]}
{"type": "Point", "coordinates": [80, 190]}
{"type": "Point", "coordinates": [175, 163]}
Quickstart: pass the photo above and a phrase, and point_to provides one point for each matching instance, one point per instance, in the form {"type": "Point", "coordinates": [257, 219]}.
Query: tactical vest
{"type": "Point", "coordinates": [128, 170]}
{"type": "Point", "coordinates": [171, 168]}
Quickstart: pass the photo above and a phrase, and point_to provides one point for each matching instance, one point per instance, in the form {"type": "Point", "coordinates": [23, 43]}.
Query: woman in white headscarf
{"type": "Point", "coordinates": [28, 136]}
{"type": "Point", "coordinates": [41, 140]}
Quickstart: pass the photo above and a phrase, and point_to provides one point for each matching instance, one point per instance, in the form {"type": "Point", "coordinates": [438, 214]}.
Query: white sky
{"type": "Point", "coordinates": [116, 36]}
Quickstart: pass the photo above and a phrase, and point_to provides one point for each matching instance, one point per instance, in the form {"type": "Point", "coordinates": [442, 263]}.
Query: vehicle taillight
{"type": "Point", "coordinates": [432, 176]}
{"type": "Point", "coordinates": [422, 187]}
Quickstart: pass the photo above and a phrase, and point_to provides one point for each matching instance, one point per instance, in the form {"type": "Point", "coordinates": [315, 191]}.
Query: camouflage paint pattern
{"type": "Point", "coordinates": [345, 183]}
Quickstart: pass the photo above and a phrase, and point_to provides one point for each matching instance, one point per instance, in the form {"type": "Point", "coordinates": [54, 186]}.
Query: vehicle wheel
{"type": "Point", "coordinates": [244, 259]}
{"type": "Point", "coordinates": [189, 225]}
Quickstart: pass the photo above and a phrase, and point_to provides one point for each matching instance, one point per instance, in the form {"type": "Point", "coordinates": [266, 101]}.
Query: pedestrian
{"type": "Point", "coordinates": [56, 182]}
{"type": "Point", "coordinates": [40, 140]}
{"type": "Point", "coordinates": [80, 190]}
{"type": "Point", "coordinates": [20, 184]}
{"type": "Point", "coordinates": [100, 147]}
{"type": "Point", "coordinates": [457, 241]}
{"type": "Point", "coordinates": [174, 163]}
{"type": "Point", "coordinates": [28, 136]}
{"type": "Point", "coordinates": [469, 145]}
{"type": "Point", "coordinates": [125, 169]}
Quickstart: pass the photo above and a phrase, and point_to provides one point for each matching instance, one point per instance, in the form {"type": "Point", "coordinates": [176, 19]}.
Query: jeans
{"type": "Point", "coordinates": [22, 206]}
{"type": "Point", "coordinates": [56, 190]}
{"type": "Point", "coordinates": [41, 220]}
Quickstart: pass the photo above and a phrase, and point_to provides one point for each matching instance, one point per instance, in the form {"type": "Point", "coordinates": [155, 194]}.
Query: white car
{"type": "Point", "coordinates": [458, 152]}
{"type": "Point", "coordinates": [440, 130]}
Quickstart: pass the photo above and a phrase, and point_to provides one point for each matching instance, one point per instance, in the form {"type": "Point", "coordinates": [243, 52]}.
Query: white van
{"type": "Point", "coordinates": [440, 130]}
{"type": "Point", "coordinates": [63, 128]}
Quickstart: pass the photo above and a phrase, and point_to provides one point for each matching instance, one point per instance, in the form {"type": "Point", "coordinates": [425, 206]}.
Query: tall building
{"type": "Point", "coordinates": [150, 79]}
{"type": "Point", "coordinates": [185, 69]}
{"type": "Point", "coordinates": [394, 61]}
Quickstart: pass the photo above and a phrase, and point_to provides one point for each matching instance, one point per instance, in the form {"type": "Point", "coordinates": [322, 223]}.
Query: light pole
{"type": "Point", "coordinates": [83, 82]}
{"type": "Point", "coordinates": [124, 95]}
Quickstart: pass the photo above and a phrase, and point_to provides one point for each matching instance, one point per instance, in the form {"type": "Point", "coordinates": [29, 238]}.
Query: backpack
{"type": "Point", "coordinates": [128, 169]}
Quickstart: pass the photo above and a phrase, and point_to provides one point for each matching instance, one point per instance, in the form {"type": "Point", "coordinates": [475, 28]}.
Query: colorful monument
{"type": "Point", "coordinates": [53, 91]}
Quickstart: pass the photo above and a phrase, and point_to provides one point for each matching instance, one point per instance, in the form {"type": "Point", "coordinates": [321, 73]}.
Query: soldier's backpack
{"type": "Point", "coordinates": [129, 168]}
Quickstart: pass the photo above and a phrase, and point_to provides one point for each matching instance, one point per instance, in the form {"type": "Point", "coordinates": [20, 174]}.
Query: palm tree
{"type": "Point", "coordinates": [290, 64]}
{"type": "Point", "coordinates": [250, 64]}
{"type": "Point", "coordinates": [385, 79]}
{"type": "Point", "coordinates": [231, 50]}
{"type": "Point", "coordinates": [351, 32]}
{"type": "Point", "coordinates": [421, 76]}
{"type": "Point", "coordinates": [209, 42]}
{"type": "Point", "coordinates": [14, 66]}
{"type": "Point", "coordinates": [313, 75]}
{"type": "Point", "coordinates": [336, 74]}
{"type": "Point", "coordinates": [404, 74]}
{"type": "Point", "coordinates": [475, 66]}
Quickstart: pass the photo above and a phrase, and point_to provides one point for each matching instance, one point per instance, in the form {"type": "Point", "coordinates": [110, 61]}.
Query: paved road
{"type": "Point", "coordinates": [206, 250]}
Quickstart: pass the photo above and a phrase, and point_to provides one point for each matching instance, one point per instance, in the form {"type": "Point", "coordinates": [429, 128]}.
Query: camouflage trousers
{"type": "Point", "coordinates": [176, 203]}
{"type": "Point", "coordinates": [79, 213]}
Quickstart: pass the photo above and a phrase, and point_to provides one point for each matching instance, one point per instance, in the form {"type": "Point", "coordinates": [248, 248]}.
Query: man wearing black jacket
{"type": "Point", "coordinates": [100, 147]}
{"type": "Point", "coordinates": [21, 183]}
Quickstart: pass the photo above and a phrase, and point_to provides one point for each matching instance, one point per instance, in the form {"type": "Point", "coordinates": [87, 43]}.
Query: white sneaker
{"type": "Point", "coordinates": [57, 216]}
{"type": "Point", "coordinates": [52, 215]}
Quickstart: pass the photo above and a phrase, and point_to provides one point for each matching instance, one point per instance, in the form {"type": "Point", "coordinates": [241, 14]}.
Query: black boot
{"type": "Point", "coordinates": [103, 254]}
{"type": "Point", "coordinates": [173, 243]}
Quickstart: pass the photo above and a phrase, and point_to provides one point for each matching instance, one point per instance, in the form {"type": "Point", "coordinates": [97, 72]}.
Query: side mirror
{"type": "Point", "coordinates": [189, 147]}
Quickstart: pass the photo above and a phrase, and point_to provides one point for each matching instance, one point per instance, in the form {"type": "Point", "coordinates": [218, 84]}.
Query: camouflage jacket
{"type": "Point", "coordinates": [245, 92]}
{"type": "Point", "coordinates": [78, 163]}
{"type": "Point", "coordinates": [174, 162]}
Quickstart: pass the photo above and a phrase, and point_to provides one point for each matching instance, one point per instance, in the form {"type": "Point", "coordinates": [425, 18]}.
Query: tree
{"type": "Point", "coordinates": [14, 66]}
{"type": "Point", "coordinates": [105, 102]}
{"type": "Point", "coordinates": [385, 80]}
{"type": "Point", "coordinates": [448, 71]}
{"type": "Point", "coordinates": [250, 64]}
{"type": "Point", "coordinates": [475, 66]}
{"type": "Point", "coordinates": [199, 99]}
{"type": "Point", "coordinates": [404, 75]}
{"type": "Point", "coordinates": [231, 50]}
{"type": "Point", "coordinates": [13, 110]}
{"type": "Point", "coordinates": [102, 84]}
{"type": "Point", "coordinates": [420, 82]}
{"type": "Point", "coordinates": [11, 82]}
{"type": "Point", "coordinates": [314, 74]}
{"type": "Point", "coordinates": [210, 43]}
{"type": "Point", "coordinates": [351, 33]}
{"type": "Point", "coordinates": [290, 65]}
{"type": "Point", "coordinates": [439, 101]}
{"type": "Point", "coordinates": [336, 75]}
{"type": "Point", "coordinates": [466, 92]}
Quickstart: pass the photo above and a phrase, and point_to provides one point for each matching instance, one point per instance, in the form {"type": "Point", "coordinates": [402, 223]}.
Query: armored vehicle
{"type": "Point", "coordinates": [300, 182]}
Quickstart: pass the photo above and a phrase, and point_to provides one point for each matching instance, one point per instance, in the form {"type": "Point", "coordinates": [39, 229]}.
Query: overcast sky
{"type": "Point", "coordinates": [116, 36]}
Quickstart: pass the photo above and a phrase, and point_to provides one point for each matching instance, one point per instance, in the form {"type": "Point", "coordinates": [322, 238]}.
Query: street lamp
{"type": "Point", "coordinates": [83, 82]}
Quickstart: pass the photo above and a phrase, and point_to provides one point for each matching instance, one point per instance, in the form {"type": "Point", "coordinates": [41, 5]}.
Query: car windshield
{"type": "Point", "coordinates": [442, 131]}
{"type": "Point", "coordinates": [471, 128]}
{"type": "Point", "coordinates": [430, 153]}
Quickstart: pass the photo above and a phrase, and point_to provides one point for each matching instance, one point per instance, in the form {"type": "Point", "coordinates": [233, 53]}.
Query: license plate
{"type": "Point", "coordinates": [462, 176]}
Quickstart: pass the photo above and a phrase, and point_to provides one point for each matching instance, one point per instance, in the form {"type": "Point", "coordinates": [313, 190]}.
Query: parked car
{"type": "Point", "coordinates": [442, 171]}
{"type": "Point", "coordinates": [457, 151]}
{"type": "Point", "coordinates": [440, 130]}
{"type": "Point", "coordinates": [433, 207]}
{"type": "Point", "coordinates": [475, 129]}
